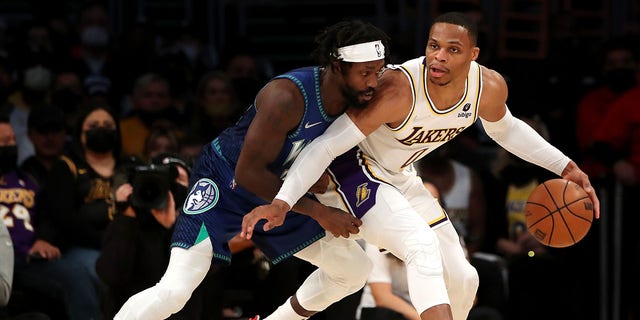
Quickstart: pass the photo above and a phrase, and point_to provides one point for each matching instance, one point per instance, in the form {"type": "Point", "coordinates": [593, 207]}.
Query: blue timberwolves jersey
{"type": "Point", "coordinates": [216, 204]}
{"type": "Point", "coordinates": [314, 122]}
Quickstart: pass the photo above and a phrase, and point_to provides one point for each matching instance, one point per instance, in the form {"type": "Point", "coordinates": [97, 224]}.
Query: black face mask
{"type": "Point", "coordinates": [8, 158]}
{"type": "Point", "coordinates": [620, 79]}
{"type": "Point", "coordinates": [101, 140]}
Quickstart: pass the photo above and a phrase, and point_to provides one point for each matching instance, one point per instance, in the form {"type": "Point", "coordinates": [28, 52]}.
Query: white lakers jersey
{"type": "Point", "coordinates": [426, 127]}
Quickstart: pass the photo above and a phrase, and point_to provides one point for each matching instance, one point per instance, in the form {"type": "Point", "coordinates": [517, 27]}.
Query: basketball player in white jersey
{"type": "Point", "coordinates": [418, 106]}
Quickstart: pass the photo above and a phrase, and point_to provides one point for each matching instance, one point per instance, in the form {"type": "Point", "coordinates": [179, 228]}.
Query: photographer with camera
{"type": "Point", "coordinates": [135, 251]}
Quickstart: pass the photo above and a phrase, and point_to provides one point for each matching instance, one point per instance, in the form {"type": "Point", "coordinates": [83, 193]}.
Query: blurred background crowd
{"type": "Point", "coordinates": [91, 91]}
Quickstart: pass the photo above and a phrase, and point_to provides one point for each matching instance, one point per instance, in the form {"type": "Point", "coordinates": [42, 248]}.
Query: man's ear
{"type": "Point", "coordinates": [476, 53]}
{"type": "Point", "coordinates": [336, 65]}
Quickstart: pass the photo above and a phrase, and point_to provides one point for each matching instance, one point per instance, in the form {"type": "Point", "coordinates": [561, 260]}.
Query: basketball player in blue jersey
{"type": "Point", "coordinates": [419, 105]}
{"type": "Point", "coordinates": [244, 166]}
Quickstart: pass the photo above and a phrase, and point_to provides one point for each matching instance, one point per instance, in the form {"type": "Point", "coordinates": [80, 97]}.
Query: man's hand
{"type": "Point", "coordinates": [123, 192]}
{"type": "Point", "coordinates": [335, 221]}
{"type": "Point", "coordinates": [572, 173]}
{"type": "Point", "coordinates": [338, 222]}
{"type": "Point", "coordinates": [45, 250]}
{"type": "Point", "coordinates": [274, 213]}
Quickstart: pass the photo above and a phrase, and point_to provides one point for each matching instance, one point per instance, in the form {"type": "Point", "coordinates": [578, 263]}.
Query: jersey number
{"type": "Point", "coordinates": [18, 212]}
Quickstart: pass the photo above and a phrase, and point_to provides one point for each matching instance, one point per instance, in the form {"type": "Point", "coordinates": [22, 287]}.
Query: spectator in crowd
{"type": "Point", "coordinates": [92, 57]}
{"type": "Point", "coordinates": [68, 94]}
{"type": "Point", "coordinates": [619, 72]}
{"type": "Point", "coordinates": [47, 282]}
{"type": "Point", "coordinates": [248, 73]}
{"type": "Point", "coordinates": [37, 47]}
{"type": "Point", "coordinates": [150, 102]}
{"type": "Point", "coordinates": [46, 130]}
{"type": "Point", "coordinates": [216, 105]}
{"type": "Point", "coordinates": [78, 192]}
{"type": "Point", "coordinates": [33, 92]}
{"type": "Point", "coordinates": [161, 140]}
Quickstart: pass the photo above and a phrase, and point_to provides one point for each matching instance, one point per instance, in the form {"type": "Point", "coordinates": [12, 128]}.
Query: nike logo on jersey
{"type": "Point", "coordinates": [310, 125]}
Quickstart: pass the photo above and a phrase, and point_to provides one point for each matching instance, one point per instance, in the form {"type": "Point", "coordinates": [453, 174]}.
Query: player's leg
{"type": "Point", "coordinates": [343, 268]}
{"type": "Point", "coordinates": [187, 268]}
{"type": "Point", "coordinates": [460, 276]}
{"type": "Point", "coordinates": [393, 224]}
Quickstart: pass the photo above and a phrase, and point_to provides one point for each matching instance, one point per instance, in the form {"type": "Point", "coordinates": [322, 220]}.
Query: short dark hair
{"type": "Point", "coordinates": [346, 33]}
{"type": "Point", "coordinates": [459, 19]}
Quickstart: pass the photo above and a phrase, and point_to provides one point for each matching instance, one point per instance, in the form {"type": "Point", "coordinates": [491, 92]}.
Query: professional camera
{"type": "Point", "coordinates": [151, 184]}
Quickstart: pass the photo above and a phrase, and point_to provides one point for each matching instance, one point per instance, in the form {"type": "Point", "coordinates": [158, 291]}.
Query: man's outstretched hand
{"type": "Point", "coordinates": [274, 213]}
{"type": "Point", "coordinates": [336, 221]}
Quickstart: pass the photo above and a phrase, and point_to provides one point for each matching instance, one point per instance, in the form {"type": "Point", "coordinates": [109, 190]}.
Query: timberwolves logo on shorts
{"type": "Point", "coordinates": [203, 196]}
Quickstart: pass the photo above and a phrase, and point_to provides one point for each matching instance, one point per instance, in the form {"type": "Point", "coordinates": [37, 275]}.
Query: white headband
{"type": "Point", "coordinates": [362, 52]}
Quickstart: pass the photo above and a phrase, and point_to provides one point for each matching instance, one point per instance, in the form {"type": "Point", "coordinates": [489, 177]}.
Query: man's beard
{"type": "Point", "coordinates": [352, 98]}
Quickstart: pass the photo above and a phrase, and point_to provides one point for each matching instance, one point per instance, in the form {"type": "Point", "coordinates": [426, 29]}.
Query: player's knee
{"type": "Point", "coordinates": [423, 253]}
{"type": "Point", "coordinates": [173, 298]}
{"type": "Point", "coordinates": [353, 275]}
{"type": "Point", "coordinates": [469, 278]}
{"type": "Point", "coordinates": [347, 265]}
{"type": "Point", "coordinates": [359, 273]}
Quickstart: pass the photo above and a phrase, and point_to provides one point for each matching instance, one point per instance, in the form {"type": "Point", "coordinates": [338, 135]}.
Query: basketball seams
{"type": "Point", "coordinates": [572, 205]}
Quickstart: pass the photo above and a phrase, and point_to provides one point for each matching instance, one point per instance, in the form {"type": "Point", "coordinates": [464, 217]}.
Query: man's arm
{"type": "Point", "coordinates": [279, 110]}
{"type": "Point", "coordinates": [517, 137]}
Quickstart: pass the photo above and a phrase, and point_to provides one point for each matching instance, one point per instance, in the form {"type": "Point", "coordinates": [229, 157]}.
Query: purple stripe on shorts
{"type": "Point", "coordinates": [353, 184]}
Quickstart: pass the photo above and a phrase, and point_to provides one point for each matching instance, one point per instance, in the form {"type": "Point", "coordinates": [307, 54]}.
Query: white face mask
{"type": "Point", "coordinates": [95, 36]}
{"type": "Point", "coordinates": [37, 78]}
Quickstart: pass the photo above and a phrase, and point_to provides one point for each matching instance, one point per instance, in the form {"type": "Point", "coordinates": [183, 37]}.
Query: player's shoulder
{"type": "Point", "coordinates": [493, 83]}
{"type": "Point", "coordinates": [491, 77]}
{"type": "Point", "coordinates": [281, 92]}
{"type": "Point", "coordinates": [393, 84]}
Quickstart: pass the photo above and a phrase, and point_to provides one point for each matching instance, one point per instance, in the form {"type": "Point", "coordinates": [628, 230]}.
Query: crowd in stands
{"type": "Point", "coordinates": [81, 106]}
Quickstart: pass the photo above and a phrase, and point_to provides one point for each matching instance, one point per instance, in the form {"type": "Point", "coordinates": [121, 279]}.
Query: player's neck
{"type": "Point", "coordinates": [332, 97]}
{"type": "Point", "coordinates": [447, 95]}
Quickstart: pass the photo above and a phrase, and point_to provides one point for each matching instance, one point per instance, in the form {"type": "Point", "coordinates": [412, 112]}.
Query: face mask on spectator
{"type": "Point", "coordinates": [37, 78]}
{"type": "Point", "coordinates": [101, 139]}
{"type": "Point", "coordinates": [8, 158]}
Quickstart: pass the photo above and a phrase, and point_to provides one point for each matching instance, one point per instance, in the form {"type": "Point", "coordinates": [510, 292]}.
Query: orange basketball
{"type": "Point", "coordinates": [559, 213]}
